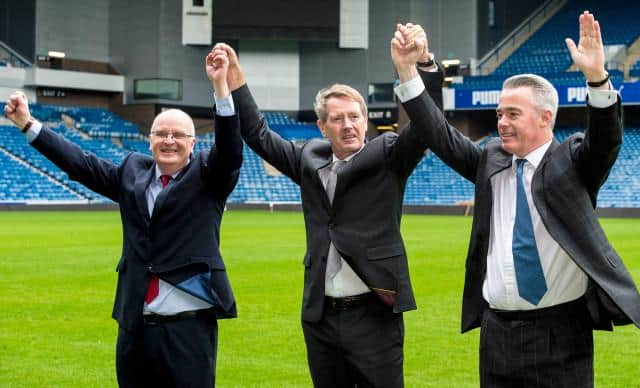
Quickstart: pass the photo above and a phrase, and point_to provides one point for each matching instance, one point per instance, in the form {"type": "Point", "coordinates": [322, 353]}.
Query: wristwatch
{"type": "Point", "coordinates": [26, 127]}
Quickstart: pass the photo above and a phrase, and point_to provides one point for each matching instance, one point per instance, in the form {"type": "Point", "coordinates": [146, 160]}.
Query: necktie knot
{"type": "Point", "coordinates": [520, 167]}
{"type": "Point", "coordinates": [337, 165]}
{"type": "Point", "coordinates": [165, 180]}
{"type": "Point", "coordinates": [332, 179]}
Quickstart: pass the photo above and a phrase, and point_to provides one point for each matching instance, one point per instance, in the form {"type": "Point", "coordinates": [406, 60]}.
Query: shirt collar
{"type": "Point", "coordinates": [334, 158]}
{"type": "Point", "coordinates": [173, 176]}
{"type": "Point", "coordinates": [534, 157]}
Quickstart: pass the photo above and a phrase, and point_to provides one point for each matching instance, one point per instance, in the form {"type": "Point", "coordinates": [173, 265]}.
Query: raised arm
{"type": "Point", "coordinates": [282, 154]}
{"type": "Point", "coordinates": [428, 128]}
{"type": "Point", "coordinates": [225, 157]}
{"type": "Point", "coordinates": [588, 55]}
{"type": "Point", "coordinates": [603, 138]}
{"type": "Point", "coordinates": [97, 174]}
{"type": "Point", "coordinates": [17, 110]}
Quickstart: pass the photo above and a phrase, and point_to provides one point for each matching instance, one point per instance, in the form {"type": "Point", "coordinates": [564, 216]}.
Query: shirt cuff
{"type": "Point", "coordinates": [599, 98]}
{"type": "Point", "coordinates": [410, 89]}
{"type": "Point", "coordinates": [33, 131]}
{"type": "Point", "coordinates": [433, 69]}
{"type": "Point", "coordinates": [224, 106]}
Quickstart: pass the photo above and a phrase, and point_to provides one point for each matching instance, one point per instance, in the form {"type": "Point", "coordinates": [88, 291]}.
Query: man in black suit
{"type": "Point", "coordinates": [540, 272]}
{"type": "Point", "coordinates": [172, 284]}
{"type": "Point", "coordinates": [356, 278]}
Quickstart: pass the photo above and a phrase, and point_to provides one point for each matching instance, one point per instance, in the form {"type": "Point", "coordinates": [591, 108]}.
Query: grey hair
{"type": "Point", "coordinates": [545, 96]}
{"type": "Point", "coordinates": [336, 90]}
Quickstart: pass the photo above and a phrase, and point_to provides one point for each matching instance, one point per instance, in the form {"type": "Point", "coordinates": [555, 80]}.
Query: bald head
{"type": "Point", "coordinates": [177, 118]}
{"type": "Point", "coordinates": [172, 140]}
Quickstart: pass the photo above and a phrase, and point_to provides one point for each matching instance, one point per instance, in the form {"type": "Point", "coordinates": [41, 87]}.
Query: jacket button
{"type": "Point", "coordinates": [324, 258]}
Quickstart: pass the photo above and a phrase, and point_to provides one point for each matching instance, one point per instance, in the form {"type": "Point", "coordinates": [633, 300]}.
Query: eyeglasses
{"type": "Point", "coordinates": [174, 135]}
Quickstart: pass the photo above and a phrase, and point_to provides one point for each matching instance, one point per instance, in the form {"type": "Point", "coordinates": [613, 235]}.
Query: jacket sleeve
{"type": "Point", "coordinates": [282, 154]}
{"type": "Point", "coordinates": [225, 156]}
{"type": "Point", "coordinates": [429, 129]}
{"type": "Point", "coordinates": [97, 174]}
{"type": "Point", "coordinates": [595, 155]}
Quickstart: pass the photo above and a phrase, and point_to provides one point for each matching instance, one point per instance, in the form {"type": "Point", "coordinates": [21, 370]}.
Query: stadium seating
{"type": "Point", "coordinates": [96, 122]}
{"type": "Point", "coordinates": [289, 128]}
{"type": "Point", "coordinates": [14, 142]}
{"type": "Point", "coordinates": [28, 176]}
{"type": "Point", "coordinates": [622, 188]}
{"type": "Point", "coordinates": [545, 52]}
{"type": "Point", "coordinates": [635, 70]}
{"type": "Point", "coordinates": [99, 122]}
{"type": "Point", "coordinates": [19, 183]}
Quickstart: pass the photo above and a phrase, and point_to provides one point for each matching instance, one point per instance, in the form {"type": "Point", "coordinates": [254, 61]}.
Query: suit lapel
{"type": "Point", "coordinates": [360, 162]}
{"type": "Point", "coordinates": [547, 155]}
{"type": "Point", "coordinates": [537, 189]}
{"type": "Point", "coordinates": [143, 179]}
{"type": "Point", "coordinates": [320, 158]}
{"type": "Point", "coordinates": [498, 161]}
{"type": "Point", "coordinates": [344, 175]}
{"type": "Point", "coordinates": [160, 199]}
{"type": "Point", "coordinates": [162, 196]}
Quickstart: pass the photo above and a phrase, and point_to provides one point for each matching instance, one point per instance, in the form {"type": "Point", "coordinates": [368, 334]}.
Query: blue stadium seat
{"type": "Point", "coordinates": [545, 52]}
{"type": "Point", "coordinates": [34, 178]}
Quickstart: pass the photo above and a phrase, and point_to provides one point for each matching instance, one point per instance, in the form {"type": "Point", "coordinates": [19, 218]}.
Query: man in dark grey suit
{"type": "Point", "coordinates": [540, 272]}
{"type": "Point", "coordinates": [172, 283]}
{"type": "Point", "coordinates": [356, 279]}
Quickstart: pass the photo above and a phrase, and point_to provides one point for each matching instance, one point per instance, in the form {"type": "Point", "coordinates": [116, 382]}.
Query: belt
{"type": "Point", "coordinates": [157, 319]}
{"type": "Point", "coordinates": [348, 302]}
{"type": "Point", "coordinates": [576, 307]}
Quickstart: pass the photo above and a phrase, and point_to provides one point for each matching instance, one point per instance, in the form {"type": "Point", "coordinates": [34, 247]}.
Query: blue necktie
{"type": "Point", "coordinates": [529, 275]}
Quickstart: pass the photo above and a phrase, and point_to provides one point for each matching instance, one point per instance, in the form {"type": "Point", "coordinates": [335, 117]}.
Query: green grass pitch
{"type": "Point", "coordinates": [57, 282]}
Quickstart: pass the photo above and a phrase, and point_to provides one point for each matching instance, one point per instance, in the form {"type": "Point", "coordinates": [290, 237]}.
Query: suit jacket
{"type": "Point", "coordinates": [564, 188]}
{"type": "Point", "coordinates": [364, 221]}
{"type": "Point", "coordinates": [181, 237]}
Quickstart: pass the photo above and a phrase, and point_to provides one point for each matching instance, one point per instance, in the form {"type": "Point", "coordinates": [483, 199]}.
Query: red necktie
{"type": "Point", "coordinates": [154, 282]}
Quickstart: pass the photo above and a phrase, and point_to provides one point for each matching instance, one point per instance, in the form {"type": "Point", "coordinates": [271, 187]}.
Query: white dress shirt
{"type": "Point", "coordinates": [565, 281]}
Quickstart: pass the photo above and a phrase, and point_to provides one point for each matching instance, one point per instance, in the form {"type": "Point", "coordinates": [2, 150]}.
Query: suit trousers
{"type": "Point", "coordinates": [179, 353]}
{"type": "Point", "coordinates": [550, 347]}
{"type": "Point", "coordinates": [361, 346]}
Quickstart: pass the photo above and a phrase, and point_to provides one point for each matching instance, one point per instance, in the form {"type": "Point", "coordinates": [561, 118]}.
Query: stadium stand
{"type": "Point", "coordinates": [99, 122]}
{"type": "Point", "coordinates": [622, 189]}
{"type": "Point", "coordinates": [635, 70]}
{"type": "Point", "coordinates": [28, 176]}
{"type": "Point", "coordinates": [14, 143]}
{"type": "Point", "coordinates": [19, 183]}
{"type": "Point", "coordinates": [545, 54]}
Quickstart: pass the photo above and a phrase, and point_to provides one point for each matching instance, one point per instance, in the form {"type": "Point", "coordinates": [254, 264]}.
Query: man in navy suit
{"type": "Point", "coordinates": [172, 283]}
{"type": "Point", "coordinates": [540, 272]}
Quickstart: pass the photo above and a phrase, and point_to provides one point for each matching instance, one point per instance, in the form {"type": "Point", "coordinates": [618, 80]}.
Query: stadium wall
{"type": "Point", "coordinates": [323, 63]}
{"type": "Point", "coordinates": [78, 28]}
{"type": "Point", "coordinates": [145, 42]}
{"type": "Point", "coordinates": [454, 210]}
{"type": "Point", "coordinates": [17, 26]}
